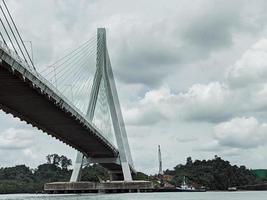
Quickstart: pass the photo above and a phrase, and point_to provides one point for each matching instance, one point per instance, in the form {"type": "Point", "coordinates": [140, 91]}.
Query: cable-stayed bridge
{"type": "Point", "coordinates": [73, 99]}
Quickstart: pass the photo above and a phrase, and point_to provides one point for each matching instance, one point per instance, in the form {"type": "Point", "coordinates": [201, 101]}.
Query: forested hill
{"type": "Point", "coordinates": [22, 179]}
{"type": "Point", "coordinates": [214, 174]}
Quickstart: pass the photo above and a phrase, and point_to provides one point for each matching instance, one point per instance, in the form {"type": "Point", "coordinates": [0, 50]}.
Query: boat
{"type": "Point", "coordinates": [188, 188]}
{"type": "Point", "coordinates": [232, 189]}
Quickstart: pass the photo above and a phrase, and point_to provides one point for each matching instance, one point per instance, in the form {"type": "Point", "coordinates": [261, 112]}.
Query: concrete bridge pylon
{"type": "Point", "coordinates": [104, 74]}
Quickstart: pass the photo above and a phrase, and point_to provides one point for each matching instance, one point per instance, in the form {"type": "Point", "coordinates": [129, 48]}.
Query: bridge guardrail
{"type": "Point", "coordinates": [48, 84]}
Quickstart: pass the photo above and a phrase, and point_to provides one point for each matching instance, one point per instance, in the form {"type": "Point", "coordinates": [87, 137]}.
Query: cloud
{"type": "Point", "coordinates": [213, 27]}
{"type": "Point", "coordinates": [251, 68]}
{"type": "Point", "coordinates": [215, 148]}
{"type": "Point", "coordinates": [186, 140]}
{"type": "Point", "coordinates": [170, 61]}
{"type": "Point", "coordinates": [16, 139]}
{"type": "Point", "coordinates": [260, 98]}
{"type": "Point", "coordinates": [148, 49]}
{"type": "Point", "coordinates": [29, 153]}
{"type": "Point", "coordinates": [144, 52]}
{"type": "Point", "coordinates": [241, 133]}
{"type": "Point", "coordinates": [205, 102]}
{"type": "Point", "coordinates": [236, 139]}
{"type": "Point", "coordinates": [155, 106]}
{"type": "Point", "coordinates": [200, 103]}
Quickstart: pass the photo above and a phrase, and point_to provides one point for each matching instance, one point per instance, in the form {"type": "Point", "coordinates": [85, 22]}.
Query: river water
{"type": "Point", "coordinates": [146, 196]}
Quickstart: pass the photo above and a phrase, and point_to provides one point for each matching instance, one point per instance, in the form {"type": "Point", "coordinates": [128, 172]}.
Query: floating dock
{"type": "Point", "coordinates": [105, 187]}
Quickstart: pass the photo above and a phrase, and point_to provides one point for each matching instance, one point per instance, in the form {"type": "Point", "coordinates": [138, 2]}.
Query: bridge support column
{"type": "Point", "coordinates": [76, 173]}
{"type": "Point", "coordinates": [115, 110]}
{"type": "Point", "coordinates": [104, 73]}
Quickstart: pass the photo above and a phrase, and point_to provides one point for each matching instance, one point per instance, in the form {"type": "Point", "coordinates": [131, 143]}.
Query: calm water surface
{"type": "Point", "coordinates": [146, 196]}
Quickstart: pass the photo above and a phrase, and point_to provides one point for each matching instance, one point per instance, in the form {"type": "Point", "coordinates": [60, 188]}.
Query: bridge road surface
{"type": "Point", "coordinates": [30, 97]}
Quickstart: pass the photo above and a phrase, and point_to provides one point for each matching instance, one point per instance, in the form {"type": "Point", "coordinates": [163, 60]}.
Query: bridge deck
{"type": "Point", "coordinates": [27, 96]}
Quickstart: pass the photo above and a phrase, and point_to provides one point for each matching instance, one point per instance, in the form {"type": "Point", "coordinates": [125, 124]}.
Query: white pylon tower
{"type": "Point", "coordinates": [160, 161]}
{"type": "Point", "coordinates": [104, 73]}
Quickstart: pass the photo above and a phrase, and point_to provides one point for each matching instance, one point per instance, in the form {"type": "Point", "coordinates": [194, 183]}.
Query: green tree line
{"type": "Point", "coordinates": [214, 174]}
{"type": "Point", "coordinates": [22, 179]}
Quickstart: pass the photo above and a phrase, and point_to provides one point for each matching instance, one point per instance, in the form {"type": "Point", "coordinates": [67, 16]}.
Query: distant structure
{"type": "Point", "coordinates": [160, 161]}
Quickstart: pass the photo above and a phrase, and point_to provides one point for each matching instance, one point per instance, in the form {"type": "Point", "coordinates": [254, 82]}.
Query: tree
{"type": "Point", "coordinates": [215, 174]}
{"type": "Point", "coordinates": [22, 179]}
{"type": "Point", "coordinates": [189, 161]}
{"type": "Point", "coordinates": [49, 159]}
{"type": "Point", "coordinates": [65, 162]}
{"type": "Point", "coordinates": [140, 176]}
{"type": "Point", "coordinates": [53, 159]}
{"type": "Point", "coordinates": [56, 159]}
{"type": "Point", "coordinates": [94, 173]}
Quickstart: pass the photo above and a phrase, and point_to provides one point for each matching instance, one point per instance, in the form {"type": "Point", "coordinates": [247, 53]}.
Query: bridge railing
{"type": "Point", "coordinates": [37, 75]}
{"type": "Point", "coordinates": [15, 56]}
{"type": "Point", "coordinates": [48, 84]}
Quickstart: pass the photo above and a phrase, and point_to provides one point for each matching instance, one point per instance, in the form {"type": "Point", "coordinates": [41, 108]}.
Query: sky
{"type": "Point", "coordinates": [191, 76]}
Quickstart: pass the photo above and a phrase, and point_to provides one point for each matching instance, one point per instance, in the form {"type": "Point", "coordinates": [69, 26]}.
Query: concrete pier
{"type": "Point", "coordinates": [105, 187]}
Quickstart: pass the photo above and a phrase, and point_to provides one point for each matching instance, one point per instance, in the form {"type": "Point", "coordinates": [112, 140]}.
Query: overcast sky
{"type": "Point", "coordinates": [191, 76]}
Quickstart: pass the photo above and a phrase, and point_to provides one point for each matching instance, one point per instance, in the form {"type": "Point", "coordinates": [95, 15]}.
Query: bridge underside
{"type": "Point", "coordinates": [22, 98]}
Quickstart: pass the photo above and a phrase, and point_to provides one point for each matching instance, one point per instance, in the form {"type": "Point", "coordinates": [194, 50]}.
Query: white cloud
{"type": "Point", "coordinates": [16, 139]}
{"type": "Point", "coordinates": [241, 133]}
{"type": "Point", "coordinates": [201, 102]}
{"type": "Point", "coordinates": [29, 153]}
{"type": "Point", "coordinates": [251, 68]}
{"type": "Point", "coordinates": [260, 97]}
{"type": "Point", "coordinates": [205, 102]}
{"type": "Point", "coordinates": [155, 106]}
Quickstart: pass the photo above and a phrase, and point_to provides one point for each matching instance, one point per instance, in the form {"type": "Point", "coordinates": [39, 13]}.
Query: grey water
{"type": "Point", "coordinates": [145, 196]}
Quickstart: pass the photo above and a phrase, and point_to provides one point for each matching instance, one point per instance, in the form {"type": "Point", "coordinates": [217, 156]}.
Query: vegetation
{"type": "Point", "coordinates": [260, 174]}
{"type": "Point", "coordinates": [141, 176]}
{"type": "Point", "coordinates": [94, 173]}
{"type": "Point", "coordinates": [215, 174]}
{"type": "Point", "coordinates": [22, 179]}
